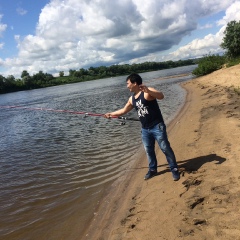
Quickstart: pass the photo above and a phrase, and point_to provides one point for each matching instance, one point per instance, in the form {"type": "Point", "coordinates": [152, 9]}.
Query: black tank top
{"type": "Point", "coordinates": [149, 112]}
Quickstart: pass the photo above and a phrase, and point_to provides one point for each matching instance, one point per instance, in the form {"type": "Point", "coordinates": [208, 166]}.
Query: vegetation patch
{"type": "Point", "coordinates": [231, 43]}
{"type": "Point", "coordinates": [41, 79]}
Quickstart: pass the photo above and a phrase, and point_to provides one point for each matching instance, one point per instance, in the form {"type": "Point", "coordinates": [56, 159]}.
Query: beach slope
{"type": "Point", "coordinates": [204, 203]}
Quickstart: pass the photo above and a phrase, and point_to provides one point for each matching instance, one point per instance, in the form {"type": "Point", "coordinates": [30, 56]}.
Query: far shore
{"type": "Point", "coordinates": [204, 203]}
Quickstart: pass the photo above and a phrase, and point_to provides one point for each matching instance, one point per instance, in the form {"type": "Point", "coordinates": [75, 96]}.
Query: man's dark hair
{"type": "Point", "coordinates": [134, 78]}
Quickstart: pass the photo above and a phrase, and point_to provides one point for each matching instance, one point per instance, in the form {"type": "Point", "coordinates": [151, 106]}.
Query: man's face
{"type": "Point", "coordinates": [131, 86]}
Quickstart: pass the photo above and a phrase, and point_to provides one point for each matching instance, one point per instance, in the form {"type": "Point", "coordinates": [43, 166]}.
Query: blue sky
{"type": "Point", "coordinates": [54, 35]}
{"type": "Point", "coordinates": [21, 18]}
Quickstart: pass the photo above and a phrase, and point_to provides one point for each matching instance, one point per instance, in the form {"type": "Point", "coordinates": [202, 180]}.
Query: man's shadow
{"type": "Point", "coordinates": [194, 164]}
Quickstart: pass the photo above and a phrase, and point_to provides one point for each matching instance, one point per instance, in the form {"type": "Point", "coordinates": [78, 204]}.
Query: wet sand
{"type": "Point", "coordinates": [204, 203]}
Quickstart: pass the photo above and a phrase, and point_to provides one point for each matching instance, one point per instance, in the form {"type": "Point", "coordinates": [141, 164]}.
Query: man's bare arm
{"type": "Point", "coordinates": [152, 92]}
{"type": "Point", "coordinates": [127, 108]}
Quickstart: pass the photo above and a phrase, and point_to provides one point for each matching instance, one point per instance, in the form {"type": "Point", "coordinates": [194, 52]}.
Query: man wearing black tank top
{"type": "Point", "coordinates": [144, 100]}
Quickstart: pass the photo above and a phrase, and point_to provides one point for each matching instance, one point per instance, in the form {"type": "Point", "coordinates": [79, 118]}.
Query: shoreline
{"type": "Point", "coordinates": [203, 136]}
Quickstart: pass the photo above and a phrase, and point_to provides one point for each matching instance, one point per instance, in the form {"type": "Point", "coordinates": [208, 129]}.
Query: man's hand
{"type": "Point", "coordinates": [144, 88]}
{"type": "Point", "coordinates": [151, 92]}
{"type": "Point", "coordinates": [107, 115]}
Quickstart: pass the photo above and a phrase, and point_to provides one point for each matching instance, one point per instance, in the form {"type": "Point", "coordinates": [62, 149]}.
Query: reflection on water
{"type": "Point", "coordinates": [55, 166]}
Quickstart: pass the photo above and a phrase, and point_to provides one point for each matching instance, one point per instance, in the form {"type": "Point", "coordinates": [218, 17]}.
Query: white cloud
{"type": "Point", "coordinates": [199, 47]}
{"type": "Point", "coordinates": [232, 13]}
{"type": "Point", "coordinates": [210, 44]}
{"type": "Point", "coordinates": [21, 11]}
{"type": "Point", "coordinates": [208, 25]}
{"type": "Point", "coordinates": [3, 26]}
{"type": "Point", "coordinates": [72, 34]}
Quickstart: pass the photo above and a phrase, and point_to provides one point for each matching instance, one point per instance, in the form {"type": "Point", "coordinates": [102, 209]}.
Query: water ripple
{"type": "Point", "coordinates": [55, 167]}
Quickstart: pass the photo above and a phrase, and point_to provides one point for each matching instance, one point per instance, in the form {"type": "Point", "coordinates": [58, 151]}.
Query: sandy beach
{"type": "Point", "coordinates": [204, 203]}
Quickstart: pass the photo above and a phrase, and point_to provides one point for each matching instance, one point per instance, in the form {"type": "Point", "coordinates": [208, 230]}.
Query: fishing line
{"type": "Point", "coordinates": [68, 111]}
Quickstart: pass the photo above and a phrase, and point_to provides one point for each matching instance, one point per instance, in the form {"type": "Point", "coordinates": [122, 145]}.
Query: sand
{"type": "Point", "coordinates": [205, 202]}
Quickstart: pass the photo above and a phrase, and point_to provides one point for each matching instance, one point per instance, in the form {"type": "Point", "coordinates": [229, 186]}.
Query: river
{"type": "Point", "coordinates": [55, 166]}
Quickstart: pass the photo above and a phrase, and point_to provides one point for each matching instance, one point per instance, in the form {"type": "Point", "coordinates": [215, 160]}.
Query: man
{"type": "Point", "coordinates": [144, 100]}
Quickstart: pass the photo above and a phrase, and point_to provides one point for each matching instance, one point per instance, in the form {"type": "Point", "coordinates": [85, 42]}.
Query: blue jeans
{"type": "Point", "coordinates": [157, 133]}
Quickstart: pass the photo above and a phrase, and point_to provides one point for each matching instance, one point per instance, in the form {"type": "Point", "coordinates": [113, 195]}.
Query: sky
{"type": "Point", "coordinates": [55, 35]}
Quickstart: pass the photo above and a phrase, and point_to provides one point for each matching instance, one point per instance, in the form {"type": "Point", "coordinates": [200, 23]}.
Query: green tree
{"type": "Point", "coordinates": [83, 71]}
{"type": "Point", "coordinates": [93, 70]}
{"type": "Point", "coordinates": [2, 83]}
{"type": "Point", "coordinates": [10, 82]}
{"type": "Point", "coordinates": [48, 77]}
{"type": "Point", "coordinates": [40, 79]}
{"type": "Point", "coordinates": [208, 64]}
{"type": "Point", "coordinates": [71, 72]}
{"type": "Point", "coordinates": [231, 40]}
{"type": "Point", "coordinates": [61, 73]}
{"type": "Point", "coordinates": [27, 81]}
{"type": "Point", "coordinates": [24, 74]}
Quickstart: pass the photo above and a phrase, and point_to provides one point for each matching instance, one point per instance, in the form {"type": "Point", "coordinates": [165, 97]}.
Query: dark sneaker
{"type": "Point", "coordinates": [150, 174]}
{"type": "Point", "coordinates": [175, 174]}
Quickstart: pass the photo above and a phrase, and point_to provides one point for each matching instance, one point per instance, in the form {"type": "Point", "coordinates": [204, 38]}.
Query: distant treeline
{"type": "Point", "coordinates": [41, 80]}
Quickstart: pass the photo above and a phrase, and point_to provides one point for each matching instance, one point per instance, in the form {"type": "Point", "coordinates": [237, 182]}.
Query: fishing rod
{"type": "Point", "coordinates": [86, 114]}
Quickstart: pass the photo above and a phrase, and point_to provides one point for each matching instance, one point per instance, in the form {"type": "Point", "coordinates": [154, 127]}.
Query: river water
{"type": "Point", "coordinates": [54, 167]}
